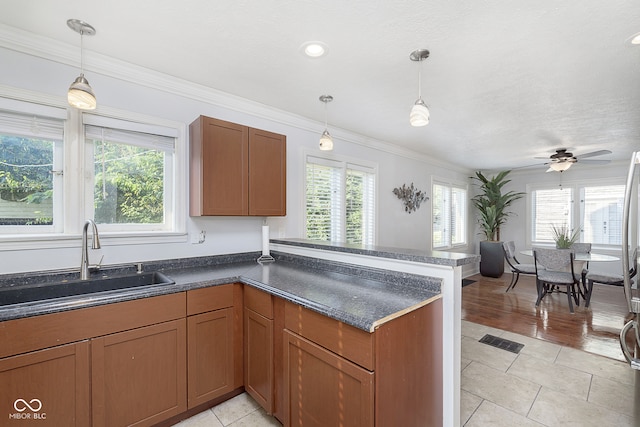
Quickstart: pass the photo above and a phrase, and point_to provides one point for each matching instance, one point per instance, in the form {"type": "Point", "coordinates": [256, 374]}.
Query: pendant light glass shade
{"type": "Point", "coordinates": [419, 115]}
{"type": "Point", "coordinates": [80, 94]}
{"type": "Point", "coordinates": [326, 142]}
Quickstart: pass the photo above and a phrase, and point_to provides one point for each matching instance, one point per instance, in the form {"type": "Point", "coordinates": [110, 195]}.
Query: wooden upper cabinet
{"type": "Point", "coordinates": [267, 173]}
{"type": "Point", "coordinates": [236, 170]}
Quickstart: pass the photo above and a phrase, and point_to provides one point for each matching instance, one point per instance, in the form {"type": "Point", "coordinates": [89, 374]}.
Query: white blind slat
{"type": "Point", "coordinates": [31, 126]}
{"type": "Point", "coordinates": [155, 142]}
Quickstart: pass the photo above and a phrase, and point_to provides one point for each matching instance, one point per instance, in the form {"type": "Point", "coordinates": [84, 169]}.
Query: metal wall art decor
{"type": "Point", "coordinates": [410, 196]}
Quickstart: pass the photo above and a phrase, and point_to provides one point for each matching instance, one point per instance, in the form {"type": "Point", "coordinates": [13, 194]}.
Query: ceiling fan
{"type": "Point", "coordinates": [563, 160]}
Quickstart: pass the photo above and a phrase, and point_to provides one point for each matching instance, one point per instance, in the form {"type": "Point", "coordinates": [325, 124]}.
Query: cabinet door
{"type": "Point", "coordinates": [267, 173]}
{"type": "Point", "coordinates": [219, 162]}
{"type": "Point", "coordinates": [323, 389]}
{"type": "Point", "coordinates": [210, 353]}
{"type": "Point", "coordinates": [258, 353]}
{"type": "Point", "coordinates": [47, 387]}
{"type": "Point", "coordinates": [139, 376]}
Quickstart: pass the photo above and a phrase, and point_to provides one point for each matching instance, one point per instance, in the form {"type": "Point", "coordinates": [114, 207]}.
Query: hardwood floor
{"type": "Point", "coordinates": [594, 329]}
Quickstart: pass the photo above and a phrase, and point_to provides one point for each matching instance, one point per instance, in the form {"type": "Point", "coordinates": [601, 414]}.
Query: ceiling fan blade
{"type": "Point", "coordinates": [593, 154]}
{"type": "Point", "coordinates": [527, 166]}
{"type": "Point", "coordinates": [550, 170]}
{"type": "Point", "coordinates": [595, 162]}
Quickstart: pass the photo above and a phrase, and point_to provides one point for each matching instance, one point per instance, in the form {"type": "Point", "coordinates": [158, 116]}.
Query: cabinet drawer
{"type": "Point", "coordinates": [55, 329]}
{"type": "Point", "coordinates": [209, 299]}
{"type": "Point", "coordinates": [349, 342]}
{"type": "Point", "coordinates": [258, 301]}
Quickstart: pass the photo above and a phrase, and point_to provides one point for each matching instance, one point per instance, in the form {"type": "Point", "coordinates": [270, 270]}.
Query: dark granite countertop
{"type": "Point", "coordinates": [453, 259]}
{"type": "Point", "coordinates": [361, 297]}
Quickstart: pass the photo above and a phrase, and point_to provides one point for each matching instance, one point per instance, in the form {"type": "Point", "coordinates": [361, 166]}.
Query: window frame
{"type": "Point", "coordinates": [450, 184]}
{"type": "Point", "coordinates": [47, 114]}
{"type": "Point", "coordinates": [74, 182]}
{"type": "Point", "coordinates": [169, 191]}
{"type": "Point", "coordinates": [576, 210]}
{"type": "Point", "coordinates": [333, 160]}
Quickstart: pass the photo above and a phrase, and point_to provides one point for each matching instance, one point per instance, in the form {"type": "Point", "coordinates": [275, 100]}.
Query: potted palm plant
{"type": "Point", "coordinates": [492, 206]}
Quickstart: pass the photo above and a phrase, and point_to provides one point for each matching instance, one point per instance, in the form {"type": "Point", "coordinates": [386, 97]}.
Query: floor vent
{"type": "Point", "coordinates": [502, 343]}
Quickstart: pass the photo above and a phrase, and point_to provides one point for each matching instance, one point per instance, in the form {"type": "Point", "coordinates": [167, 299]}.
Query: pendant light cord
{"type": "Point", "coordinates": [325, 115]}
{"type": "Point", "coordinates": [81, 50]}
{"type": "Point", "coordinates": [420, 79]}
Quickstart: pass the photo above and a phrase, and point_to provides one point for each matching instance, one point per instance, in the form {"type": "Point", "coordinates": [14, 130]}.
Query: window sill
{"type": "Point", "coordinates": [40, 241]}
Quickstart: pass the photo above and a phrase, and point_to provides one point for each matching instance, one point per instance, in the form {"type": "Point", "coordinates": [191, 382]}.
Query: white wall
{"type": "Point", "coordinates": [144, 94]}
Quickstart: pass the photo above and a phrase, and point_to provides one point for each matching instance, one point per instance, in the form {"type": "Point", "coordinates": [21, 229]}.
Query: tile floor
{"type": "Point", "coordinates": [544, 385]}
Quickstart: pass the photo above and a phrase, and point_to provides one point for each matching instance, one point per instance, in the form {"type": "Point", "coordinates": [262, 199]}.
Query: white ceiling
{"type": "Point", "coordinates": [506, 80]}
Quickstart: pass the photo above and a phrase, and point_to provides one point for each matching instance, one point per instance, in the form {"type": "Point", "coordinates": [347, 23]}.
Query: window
{"type": "Point", "coordinates": [551, 207]}
{"type": "Point", "coordinates": [598, 212]}
{"type": "Point", "coordinates": [30, 172]}
{"type": "Point", "coordinates": [449, 215]}
{"type": "Point", "coordinates": [132, 171]}
{"type": "Point", "coordinates": [121, 173]}
{"type": "Point", "coordinates": [340, 201]}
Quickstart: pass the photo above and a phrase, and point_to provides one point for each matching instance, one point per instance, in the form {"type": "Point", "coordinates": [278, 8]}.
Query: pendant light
{"type": "Point", "coordinates": [326, 142]}
{"type": "Point", "coordinates": [80, 94]}
{"type": "Point", "coordinates": [419, 113]}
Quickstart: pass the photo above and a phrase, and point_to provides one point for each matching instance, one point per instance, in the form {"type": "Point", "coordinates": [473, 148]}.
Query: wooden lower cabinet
{"type": "Point", "coordinates": [258, 368]}
{"type": "Point", "coordinates": [46, 388]}
{"type": "Point", "coordinates": [338, 375]}
{"type": "Point", "coordinates": [210, 354]}
{"type": "Point", "coordinates": [324, 389]}
{"type": "Point", "coordinates": [138, 377]}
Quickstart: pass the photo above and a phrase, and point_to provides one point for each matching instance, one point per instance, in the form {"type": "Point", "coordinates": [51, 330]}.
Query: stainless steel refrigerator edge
{"type": "Point", "coordinates": [633, 300]}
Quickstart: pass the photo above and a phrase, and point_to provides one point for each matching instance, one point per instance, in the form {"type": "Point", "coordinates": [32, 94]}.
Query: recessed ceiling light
{"type": "Point", "coordinates": [634, 39]}
{"type": "Point", "coordinates": [314, 49]}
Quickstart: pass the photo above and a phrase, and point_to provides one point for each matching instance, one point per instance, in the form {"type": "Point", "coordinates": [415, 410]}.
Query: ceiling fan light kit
{"type": "Point", "coordinates": [80, 94]}
{"type": "Point", "coordinates": [419, 115]}
{"type": "Point", "coordinates": [559, 166]}
{"type": "Point", "coordinates": [562, 160]}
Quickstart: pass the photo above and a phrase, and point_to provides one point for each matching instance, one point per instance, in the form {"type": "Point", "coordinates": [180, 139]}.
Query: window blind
{"type": "Point", "coordinates": [551, 207]}
{"type": "Point", "coordinates": [323, 202]}
{"type": "Point", "coordinates": [340, 201]}
{"type": "Point", "coordinates": [601, 213]}
{"type": "Point", "coordinates": [449, 215]}
{"type": "Point", "coordinates": [30, 126]}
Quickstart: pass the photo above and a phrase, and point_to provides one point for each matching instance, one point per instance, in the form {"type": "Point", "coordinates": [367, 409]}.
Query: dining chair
{"type": "Point", "coordinates": [609, 278]}
{"type": "Point", "coordinates": [517, 268]}
{"type": "Point", "coordinates": [583, 248]}
{"type": "Point", "coordinates": [558, 271]}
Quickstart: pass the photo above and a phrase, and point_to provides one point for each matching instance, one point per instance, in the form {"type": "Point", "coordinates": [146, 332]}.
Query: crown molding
{"type": "Point", "coordinates": [46, 48]}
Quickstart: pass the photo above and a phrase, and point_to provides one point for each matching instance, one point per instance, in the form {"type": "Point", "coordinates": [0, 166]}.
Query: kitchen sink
{"type": "Point", "coordinates": [30, 293]}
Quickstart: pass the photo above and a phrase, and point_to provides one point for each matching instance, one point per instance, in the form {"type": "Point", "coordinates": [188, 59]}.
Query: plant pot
{"type": "Point", "coordinates": [491, 259]}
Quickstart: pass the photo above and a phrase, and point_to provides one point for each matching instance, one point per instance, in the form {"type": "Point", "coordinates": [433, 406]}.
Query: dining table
{"type": "Point", "coordinates": [580, 259]}
{"type": "Point", "coordinates": [582, 256]}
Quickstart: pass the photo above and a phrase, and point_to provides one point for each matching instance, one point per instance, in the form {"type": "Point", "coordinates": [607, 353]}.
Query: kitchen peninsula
{"type": "Point", "coordinates": [325, 311]}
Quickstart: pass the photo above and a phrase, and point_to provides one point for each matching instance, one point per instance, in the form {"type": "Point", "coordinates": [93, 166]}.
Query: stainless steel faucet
{"type": "Point", "coordinates": [84, 263]}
